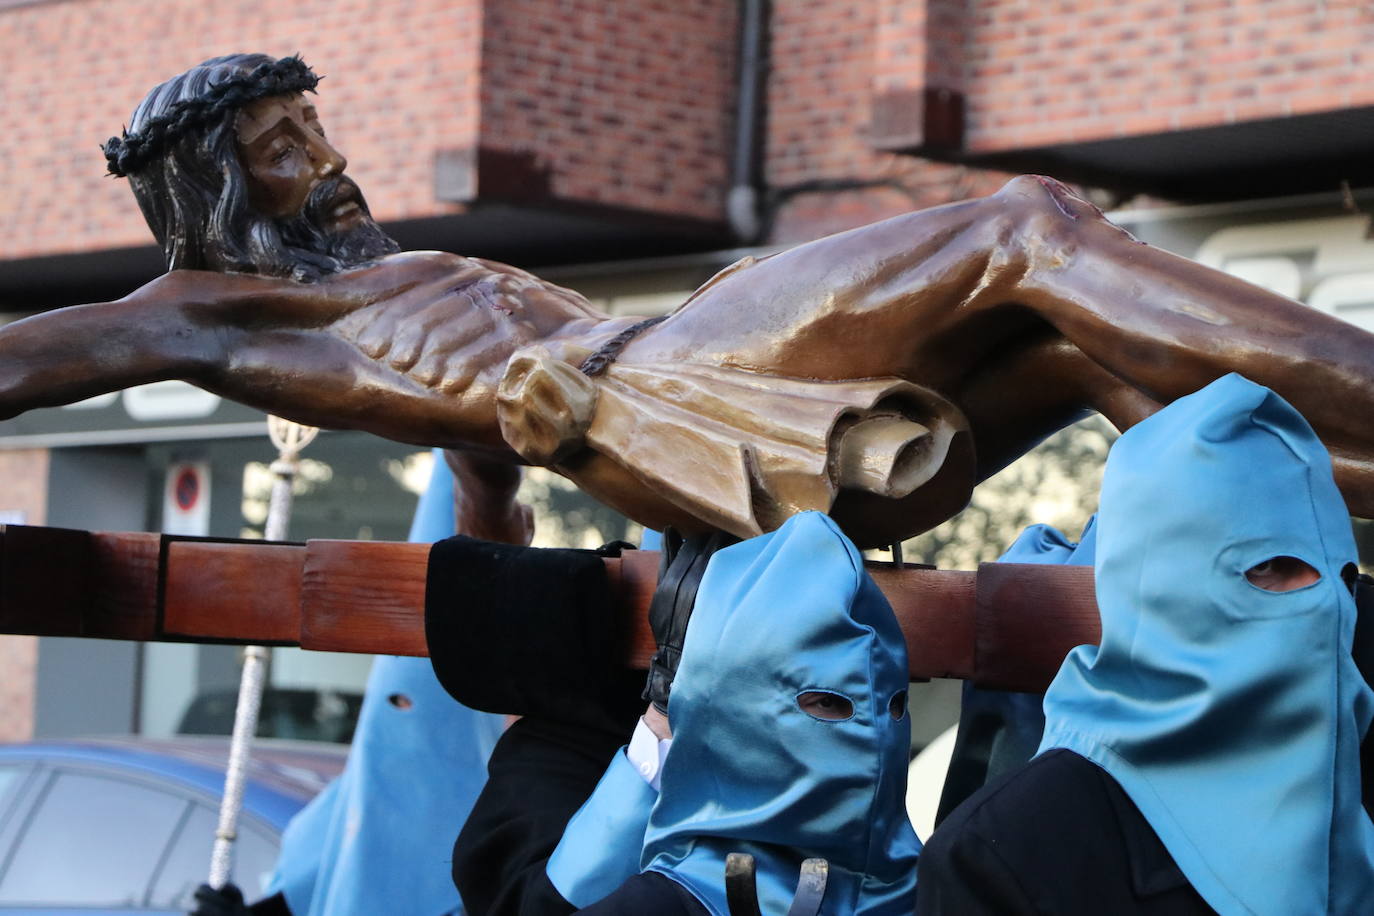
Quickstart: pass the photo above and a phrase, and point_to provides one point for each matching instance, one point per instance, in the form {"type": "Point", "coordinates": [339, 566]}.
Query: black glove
{"type": "Point", "coordinates": [227, 901]}
{"type": "Point", "coordinates": [681, 566]}
{"type": "Point", "coordinates": [529, 631]}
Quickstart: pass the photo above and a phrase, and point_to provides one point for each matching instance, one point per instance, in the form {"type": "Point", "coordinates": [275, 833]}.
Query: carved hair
{"type": "Point", "coordinates": [180, 155]}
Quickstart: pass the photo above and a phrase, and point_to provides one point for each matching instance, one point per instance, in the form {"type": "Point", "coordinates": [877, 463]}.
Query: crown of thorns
{"type": "Point", "coordinates": [128, 153]}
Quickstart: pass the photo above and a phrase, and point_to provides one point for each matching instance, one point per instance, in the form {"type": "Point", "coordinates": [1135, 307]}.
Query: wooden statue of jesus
{"type": "Point", "coordinates": [878, 374]}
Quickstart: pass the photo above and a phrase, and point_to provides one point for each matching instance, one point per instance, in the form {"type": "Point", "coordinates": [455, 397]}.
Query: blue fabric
{"type": "Point", "coordinates": [1004, 727]}
{"type": "Point", "coordinates": [1043, 544]}
{"type": "Point", "coordinates": [1231, 715]}
{"type": "Point", "coordinates": [378, 839]}
{"type": "Point", "coordinates": [601, 845]}
{"type": "Point", "coordinates": [749, 771]}
{"type": "Point", "coordinates": [1023, 715]}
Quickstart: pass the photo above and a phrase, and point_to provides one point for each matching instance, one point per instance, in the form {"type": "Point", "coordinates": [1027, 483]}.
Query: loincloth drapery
{"type": "Point", "coordinates": [701, 446]}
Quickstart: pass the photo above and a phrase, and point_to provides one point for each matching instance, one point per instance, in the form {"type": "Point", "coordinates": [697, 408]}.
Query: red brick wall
{"type": "Point", "coordinates": [629, 102]}
{"type": "Point", "coordinates": [626, 102]}
{"type": "Point", "coordinates": [1040, 73]}
{"type": "Point", "coordinates": [23, 488]}
{"type": "Point", "coordinates": [828, 56]}
{"type": "Point", "coordinates": [919, 43]}
{"type": "Point", "coordinates": [401, 83]}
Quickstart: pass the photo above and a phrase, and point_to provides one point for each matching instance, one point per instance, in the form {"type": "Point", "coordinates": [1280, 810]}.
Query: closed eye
{"type": "Point", "coordinates": [822, 704]}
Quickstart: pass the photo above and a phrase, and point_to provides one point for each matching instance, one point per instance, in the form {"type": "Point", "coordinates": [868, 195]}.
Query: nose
{"type": "Point", "coordinates": [328, 161]}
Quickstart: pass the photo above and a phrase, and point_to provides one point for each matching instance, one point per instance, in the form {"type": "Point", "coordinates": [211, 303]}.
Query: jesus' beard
{"type": "Point", "coordinates": [308, 236]}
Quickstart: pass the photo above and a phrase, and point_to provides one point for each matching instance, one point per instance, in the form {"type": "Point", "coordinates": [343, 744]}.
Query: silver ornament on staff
{"type": "Point", "coordinates": [289, 438]}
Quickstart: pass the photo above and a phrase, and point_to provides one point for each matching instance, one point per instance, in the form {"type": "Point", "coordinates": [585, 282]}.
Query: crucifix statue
{"type": "Point", "coordinates": [877, 375]}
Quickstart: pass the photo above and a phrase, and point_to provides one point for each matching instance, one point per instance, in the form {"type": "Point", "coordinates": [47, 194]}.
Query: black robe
{"type": "Point", "coordinates": [510, 635]}
{"type": "Point", "coordinates": [1058, 836]}
{"type": "Point", "coordinates": [535, 634]}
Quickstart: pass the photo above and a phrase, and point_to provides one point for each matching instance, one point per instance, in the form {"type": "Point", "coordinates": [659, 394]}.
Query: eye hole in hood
{"type": "Point", "coordinates": [1350, 575]}
{"type": "Point", "coordinates": [896, 707]}
{"type": "Point", "coordinates": [822, 704]}
{"type": "Point", "coordinates": [1282, 574]}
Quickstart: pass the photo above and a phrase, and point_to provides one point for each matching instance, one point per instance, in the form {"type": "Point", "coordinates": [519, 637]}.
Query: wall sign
{"type": "Point", "coordinates": [186, 498]}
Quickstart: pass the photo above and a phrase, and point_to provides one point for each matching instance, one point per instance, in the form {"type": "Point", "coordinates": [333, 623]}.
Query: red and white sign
{"type": "Point", "coordinates": [186, 498]}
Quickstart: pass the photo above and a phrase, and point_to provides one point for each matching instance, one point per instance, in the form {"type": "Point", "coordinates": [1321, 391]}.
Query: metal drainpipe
{"type": "Point", "coordinates": [743, 204]}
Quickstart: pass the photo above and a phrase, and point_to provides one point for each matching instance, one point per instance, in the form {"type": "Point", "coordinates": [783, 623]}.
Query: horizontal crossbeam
{"type": "Point", "coordinates": [1007, 626]}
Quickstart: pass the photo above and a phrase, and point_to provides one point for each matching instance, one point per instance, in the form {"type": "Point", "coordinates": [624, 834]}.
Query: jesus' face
{"type": "Point", "coordinates": [255, 188]}
{"type": "Point", "coordinates": [294, 178]}
{"type": "Point", "coordinates": [285, 155]}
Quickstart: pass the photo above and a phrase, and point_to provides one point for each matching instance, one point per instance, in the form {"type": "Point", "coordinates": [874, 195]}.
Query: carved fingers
{"type": "Point", "coordinates": [544, 406]}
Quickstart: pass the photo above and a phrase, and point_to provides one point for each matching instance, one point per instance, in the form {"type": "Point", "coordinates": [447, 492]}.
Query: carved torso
{"type": "Point", "coordinates": [441, 320]}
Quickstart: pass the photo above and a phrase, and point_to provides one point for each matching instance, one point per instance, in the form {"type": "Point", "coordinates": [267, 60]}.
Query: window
{"type": "Point", "coordinates": [91, 841]}
{"type": "Point", "coordinates": [11, 778]}
{"type": "Point", "coordinates": [255, 855]}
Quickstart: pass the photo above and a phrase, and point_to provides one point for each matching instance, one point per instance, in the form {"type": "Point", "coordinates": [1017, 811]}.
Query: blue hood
{"type": "Point", "coordinates": [382, 831]}
{"type": "Point", "coordinates": [777, 616]}
{"type": "Point", "coordinates": [1231, 715]}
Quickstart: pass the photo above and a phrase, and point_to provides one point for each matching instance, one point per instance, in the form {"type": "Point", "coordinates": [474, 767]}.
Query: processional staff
{"type": "Point", "coordinates": [289, 438]}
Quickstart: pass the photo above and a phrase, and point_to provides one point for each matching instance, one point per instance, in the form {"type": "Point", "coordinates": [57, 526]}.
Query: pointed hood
{"type": "Point", "coordinates": [1231, 715]}
{"type": "Point", "coordinates": [779, 616]}
{"type": "Point", "coordinates": [352, 850]}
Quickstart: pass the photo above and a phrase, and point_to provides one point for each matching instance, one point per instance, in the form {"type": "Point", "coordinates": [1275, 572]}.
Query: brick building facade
{"type": "Point", "coordinates": [1201, 99]}
{"type": "Point", "coordinates": [565, 132]}
{"type": "Point", "coordinates": [511, 125]}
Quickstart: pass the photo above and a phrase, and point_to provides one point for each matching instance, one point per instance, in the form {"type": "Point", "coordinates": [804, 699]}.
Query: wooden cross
{"type": "Point", "coordinates": [1006, 626]}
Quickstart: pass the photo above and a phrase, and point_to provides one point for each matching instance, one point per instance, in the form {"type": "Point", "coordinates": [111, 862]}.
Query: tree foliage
{"type": "Point", "coordinates": [1055, 483]}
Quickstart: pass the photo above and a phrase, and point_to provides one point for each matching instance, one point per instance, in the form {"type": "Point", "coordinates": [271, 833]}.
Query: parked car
{"type": "Point", "coordinates": [304, 715]}
{"type": "Point", "coordinates": [125, 825]}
